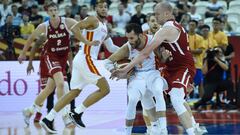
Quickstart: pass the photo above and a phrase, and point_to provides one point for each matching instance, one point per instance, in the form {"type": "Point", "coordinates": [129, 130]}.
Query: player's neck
{"type": "Point", "coordinates": [55, 21]}
{"type": "Point", "coordinates": [101, 19]}
{"type": "Point", "coordinates": [143, 43]}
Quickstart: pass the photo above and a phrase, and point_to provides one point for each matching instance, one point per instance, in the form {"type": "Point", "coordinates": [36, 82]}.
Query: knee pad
{"type": "Point", "coordinates": [177, 99]}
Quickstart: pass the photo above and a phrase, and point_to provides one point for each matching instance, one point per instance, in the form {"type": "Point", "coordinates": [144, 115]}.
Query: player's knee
{"type": "Point", "coordinates": [60, 85]}
{"type": "Point", "coordinates": [178, 105]}
{"type": "Point", "coordinates": [103, 86]}
{"type": "Point", "coordinates": [76, 92]}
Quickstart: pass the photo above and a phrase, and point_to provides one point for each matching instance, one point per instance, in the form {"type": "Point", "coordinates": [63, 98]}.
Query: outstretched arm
{"type": "Point", "coordinates": [167, 33]}
{"type": "Point", "coordinates": [40, 41]}
{"type": "Point", "coordinates": [87, 23]}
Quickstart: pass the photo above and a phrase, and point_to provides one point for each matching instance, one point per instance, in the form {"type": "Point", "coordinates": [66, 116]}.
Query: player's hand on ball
{"type": "Point", "coordinates": [119, 74]}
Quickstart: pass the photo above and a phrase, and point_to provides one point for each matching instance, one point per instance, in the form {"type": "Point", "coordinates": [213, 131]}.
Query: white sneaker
{"type": "Point", "coordinates": [199, 130]}
{"type": "Point", "coordinates": [148, 131]}
{"type": "Point", "coordinates": [155, 130]}
{"type": "Point", "coordinates": [67, 121]}
{"type": "Point", "coordinates": [164, 131]}
{"type": "Point", "coordinates": [27, 113]}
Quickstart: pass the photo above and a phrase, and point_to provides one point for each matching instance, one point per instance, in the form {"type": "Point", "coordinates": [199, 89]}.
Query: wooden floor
{"type": "Point", "coordinates": [112, 123]}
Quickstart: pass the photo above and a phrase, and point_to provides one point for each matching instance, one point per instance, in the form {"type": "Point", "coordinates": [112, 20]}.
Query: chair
{"type": "Point", "coordinates": [208, 21]}
{"type": "Point", "coordinates": [235, 14]}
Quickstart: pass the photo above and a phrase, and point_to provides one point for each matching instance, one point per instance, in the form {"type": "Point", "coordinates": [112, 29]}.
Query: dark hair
{"type": "Point", "coordinates": [195, 21]}
{"type": "Point", "coordinates": [217, 19]}
{"type": "Point", "coordinates": [134, 27]}
{"type": "Point", "coordinates": [205, 26]}
{"type": "Point", "coordinates": [34, 7]}
{"type": "Point", "coordinates": [100, 1]}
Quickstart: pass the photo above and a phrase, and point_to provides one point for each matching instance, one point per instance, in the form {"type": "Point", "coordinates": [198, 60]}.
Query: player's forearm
{"type": "Point", "coordinates": [70, 58]}
{"type": "Point", "coordinates": [32, 53]}
{"type": "Point", "coordinates": [135, 61]}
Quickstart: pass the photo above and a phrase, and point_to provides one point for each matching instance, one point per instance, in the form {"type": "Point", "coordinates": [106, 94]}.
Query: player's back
{"type": "Point", "coordinates": [99, 34]}
{"type": "Point", "coordinates": [58, 39]}
{"type": "Point", "coordinates": [180, 50]}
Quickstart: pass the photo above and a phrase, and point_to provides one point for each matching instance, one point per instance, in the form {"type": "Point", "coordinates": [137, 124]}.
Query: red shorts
{"type": "Point", "coordinates": [56, 64]}
{"type": "Point", "coordinates": [43, 70]}
{"type": "Point", "coordinates": [180, 78]}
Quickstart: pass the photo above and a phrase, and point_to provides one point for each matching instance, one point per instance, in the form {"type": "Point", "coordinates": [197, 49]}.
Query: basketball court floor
{"type": "Point", "coordinates": [112, 123]}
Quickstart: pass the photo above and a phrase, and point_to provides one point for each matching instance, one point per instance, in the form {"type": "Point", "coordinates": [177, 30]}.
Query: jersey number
{"type": "Point", "coordinates": [59, 42]}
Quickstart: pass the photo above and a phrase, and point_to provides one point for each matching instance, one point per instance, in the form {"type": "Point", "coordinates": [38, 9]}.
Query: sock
{"type": "Point", "coordinates": [80, 109]}
{"type": "Point", "coordinates": [163, 122]}
{"type": "Point", "coordinates": [193, 121]}
{"type": "Point", "coordinates": [148, 129]}
{"type": "Point", "coordinates": [128, 130]}
{"type": "Point", "coordinates": [190, 131]}
{"type": "Point", "coordinates": [51, 115]}
{"type": "Point", "coordinates": [154, 123]}
{"type": "Point", "coordinates": [35, 107]}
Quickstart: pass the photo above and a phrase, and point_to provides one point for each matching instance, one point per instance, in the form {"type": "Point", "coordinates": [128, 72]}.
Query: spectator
{"type": "Point", "coordinates": [68, 12]}
{"type": "Point", "coordinates": [176, 14]}
{"type": "Point", "coordinates": [17, 18]}
{"type": "Point", "coordinates": [128, 8]}
{"type": "Point", "coordinates": [200, 24]}
{"type": "Point", "coordinates": [197, 48]}
{"type": "Point", "coordinates": [121, 18]}
{"type": "Point", "coordinates": [110, 30]}
{"type": "Point", "coordinates": [214, 9]}
{"type": "Point", "coordinates": [193, 14]}
{"type": "Point", "coordinates": [229, 54]}
{"type": "Point", "coordinates": [208, 41]}
{"type": "Point", "coordinates": [138, 18]}
{"type": "Point", "coordinates": [8, 33]}
{"type": "Point", "coordinates": [183, 7]}
{"type": "Point", "coordinates": [24, 9]}
{"type": "Point", "coordinates": [84, 12]}
{"type": "Point", "coordinates": [145, 26]}
{"type": "Point", "coordinates": [35, 18]}
{"type": "Point", "coordinates": [26, 28]}
{"type": "Point", "coordinates": [214, 66]}
{"type": "Point", "coordinates": [75, 7]}
{"type": "Point", "coordinates": [225, 25]}
{"type": "Point", "coordinates": [5, 10]}
{"type": "Point", "coordinates": [185, 20]}
{"type": "Point", "coordinates": [217, 34]}
{"type": "Point", "coordinates": [153, 25]}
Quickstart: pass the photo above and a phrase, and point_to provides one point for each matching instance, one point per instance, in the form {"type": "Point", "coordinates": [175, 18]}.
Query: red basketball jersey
{"type": "Point", "coordinates": [180, 50]}
{"type": "Point", "coordinates": [58, 43]}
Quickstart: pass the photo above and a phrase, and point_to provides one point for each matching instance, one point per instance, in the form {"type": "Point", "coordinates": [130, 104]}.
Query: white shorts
{"type": "Point", "coordinates": [142, 83]}
{"type": "Point", "coordinates": [84, 71]}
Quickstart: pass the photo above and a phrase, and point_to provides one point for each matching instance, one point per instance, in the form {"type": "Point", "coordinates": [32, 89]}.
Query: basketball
{"type": "Point", "coordinates": [123, 63]}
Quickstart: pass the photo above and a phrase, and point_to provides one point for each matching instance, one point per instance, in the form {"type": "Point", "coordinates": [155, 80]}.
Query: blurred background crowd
{"type": "Point", "coordinates": [209, 23]}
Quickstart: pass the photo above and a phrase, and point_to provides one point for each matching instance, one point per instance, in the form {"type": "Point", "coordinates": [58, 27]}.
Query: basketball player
{"type": "Point", "coordinates": [180, 68]}
{"type": "Point", "coordinates": [145, 83]}
{"type": "Point", "coordinates": [84, 70]}
{"type": "Point", "coordinates": [56, 49]}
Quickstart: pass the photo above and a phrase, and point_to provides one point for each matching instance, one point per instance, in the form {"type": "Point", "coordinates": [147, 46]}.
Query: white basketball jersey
{"type": "Point", "coordinates": [149, 62]}
{"type": "Point", "coordinates": [99, 34]}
